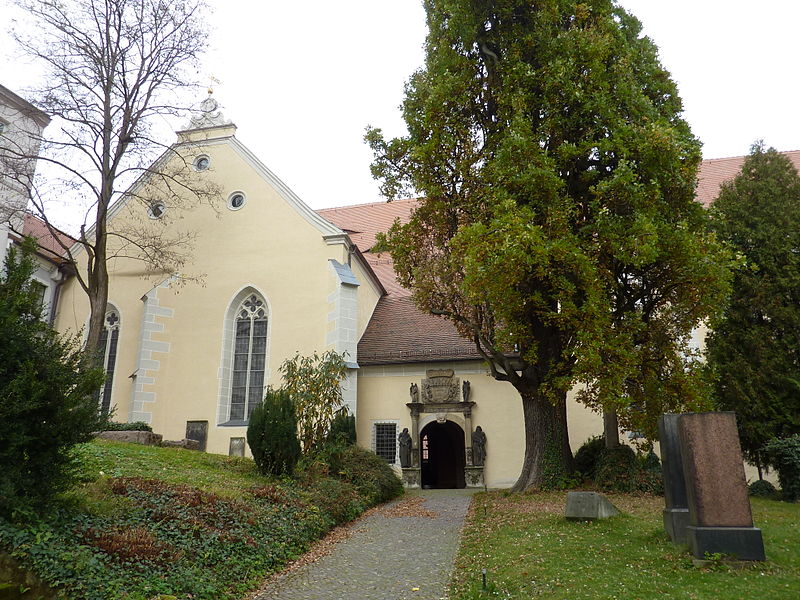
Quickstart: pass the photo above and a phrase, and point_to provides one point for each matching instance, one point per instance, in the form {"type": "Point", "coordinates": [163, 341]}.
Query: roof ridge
{"type": "Point", "coordinates": [346, 206]}
{"type": "Point", "coordinates": [707, 160]}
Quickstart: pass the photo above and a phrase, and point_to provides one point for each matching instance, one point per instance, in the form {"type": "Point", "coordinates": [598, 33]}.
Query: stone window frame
{"type": "Point", "coordinates": [225, 372]}
{"type": "Point", "coordinates": [112, 322]}
{"type": "Point", "coordinates": [41, 289]}
{"type": "Point", "coordinates": [374, 442]}
{"type": "Point", "coordinates": [233, 195]}
{"type": "Point", "coordinates": [197, 161]}
{"type": "Point", "coordinates": [156, 210]}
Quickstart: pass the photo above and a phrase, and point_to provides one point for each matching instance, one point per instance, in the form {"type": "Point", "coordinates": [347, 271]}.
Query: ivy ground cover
{"type": "Point", "coordinates": [152, 522]}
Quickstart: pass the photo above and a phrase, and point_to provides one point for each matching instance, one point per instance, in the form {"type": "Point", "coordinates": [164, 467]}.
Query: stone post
{"type": "Point", "coordinates": [676, 512]}
{"type": "Point", "coordinates": [716, 489]}
{"type": "Point", "coordinates": [468, 436]}
{"type": "Point", "coordinates": [415, 461]}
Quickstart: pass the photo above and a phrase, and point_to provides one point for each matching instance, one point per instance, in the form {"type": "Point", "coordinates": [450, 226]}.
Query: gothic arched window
{"type": "Point", "coordinates": [108, 344]}
{"type": "Point", "coordinates": [249, 357]}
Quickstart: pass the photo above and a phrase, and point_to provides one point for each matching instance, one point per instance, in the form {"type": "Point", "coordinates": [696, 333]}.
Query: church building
{"type": "Point", "coordinates": [191, 352]}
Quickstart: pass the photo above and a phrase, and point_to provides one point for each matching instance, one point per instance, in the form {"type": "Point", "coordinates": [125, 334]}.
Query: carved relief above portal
{"type": "Point", "coordinates": [440, 385]}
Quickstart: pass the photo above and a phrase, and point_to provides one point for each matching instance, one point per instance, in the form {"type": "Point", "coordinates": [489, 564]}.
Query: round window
{"type": "Point", "coordinates": [201, 163]}
{"type": "Point", "coordinates": [157, 210]}
{"type": "Point", "coordinates": [236, 201]}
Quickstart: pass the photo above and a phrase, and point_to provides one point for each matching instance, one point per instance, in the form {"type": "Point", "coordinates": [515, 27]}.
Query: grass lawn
{"type": "Point", "coordinates": [213, 473]}
{"type": "Point", "coordinates": [530, 550]}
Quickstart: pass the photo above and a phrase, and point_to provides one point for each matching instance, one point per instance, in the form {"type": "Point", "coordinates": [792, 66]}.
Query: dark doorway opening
{"type": "Point", "coordinates": [442, 455]}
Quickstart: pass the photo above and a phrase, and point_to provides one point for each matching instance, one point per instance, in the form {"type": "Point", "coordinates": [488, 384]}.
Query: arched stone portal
{"type": "Point", "coordinates": [442, 455]}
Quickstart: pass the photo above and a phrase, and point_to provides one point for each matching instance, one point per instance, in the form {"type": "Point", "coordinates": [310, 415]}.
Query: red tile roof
{"type": "Point", "coordinates": [363, 221]}
{"type": "Point", "coordinates": [715, 171]}
{"type": "Point", "coordinates": [49, 246]}
{"type": "Point", "coordinates": [399, 332]}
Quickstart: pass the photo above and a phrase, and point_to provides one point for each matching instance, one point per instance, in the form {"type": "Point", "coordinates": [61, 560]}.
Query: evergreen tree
{"type": "Point", "coordinates": [46, 393]}
{"type": "Point", "coordinates": [557, 226]}
{"type": "Point", "coordinates": [755, 351]}
{"type": "Point", "coordinates": [272, 434]}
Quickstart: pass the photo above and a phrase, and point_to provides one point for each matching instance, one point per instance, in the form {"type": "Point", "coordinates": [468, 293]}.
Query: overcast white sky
{"type": "Point", "coordinates": [303, 79]}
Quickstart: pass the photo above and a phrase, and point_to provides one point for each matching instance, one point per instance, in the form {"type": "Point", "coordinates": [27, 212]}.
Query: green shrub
{"type": "Point", "coordinates": [343, 429]}
{"type": "Point", "coordinates": [784, 455]}
{"type": "Point", "coordinates": [620, 469]}
{"type": "Point", "coordinates": [650, 461]}
{"type": "Point", "coordinates": [617, 469]}
{"type": "Point", "coordinates": [337, 499]}
{"type": "Point", "coordinates": [314, 384]}
{"type": "Point", "coordinates": [588, 454]}
{"type": "Point", "coordinates": [46, 394]}
{"type": "Point", "coordinates": [763, 489]}
{"type": "Point", "coordinates": [366, 471]}
{"type": "Point", "coordinates": [134, 426]}
{"type": "Point", "coordinates": [272, 434]}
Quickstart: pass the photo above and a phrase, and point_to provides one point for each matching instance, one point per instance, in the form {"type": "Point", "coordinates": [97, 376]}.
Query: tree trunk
{"type": "Point", "coordinates": [98, 302]}
{"type": "Point", "coordinates": [611, 428]}
{"type": "Point", "coordinates": [547, 450]}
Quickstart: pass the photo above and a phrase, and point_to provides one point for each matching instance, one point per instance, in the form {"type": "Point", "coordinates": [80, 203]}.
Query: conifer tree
{"type": "Point", "coordinates": [47, 389]}
{"type": "Point", "coordinates": [755, 351]}
{"type": "Point", "coordinates": [557, 226]}
{"type": "Point", "coordinates": [272, 434]}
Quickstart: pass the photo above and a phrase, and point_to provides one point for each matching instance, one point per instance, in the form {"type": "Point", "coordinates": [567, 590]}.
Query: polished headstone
{"type": "Point", "coordinates": [719, 508]}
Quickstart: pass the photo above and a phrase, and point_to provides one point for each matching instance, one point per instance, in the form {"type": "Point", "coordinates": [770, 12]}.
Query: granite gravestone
{"type": "Point", "coordinates": [676, 513]}
{"type": "Point", "coordinates": [716, 489]}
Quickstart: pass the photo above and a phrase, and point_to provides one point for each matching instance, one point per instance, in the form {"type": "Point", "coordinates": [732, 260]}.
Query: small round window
{"type": "Point", "coordinates": [157, 210]}
{"type": "Point", "coordinates": [201, 163]}
{"type": "Point", "coordinates": [236, 200]}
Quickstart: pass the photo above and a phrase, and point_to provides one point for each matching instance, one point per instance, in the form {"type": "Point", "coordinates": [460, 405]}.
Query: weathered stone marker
{"type": "Point", "coordinates": [716, 489]}
{"type": "Point", "coordinates": [588, 506]}
{"type": "Point", "coordinates": [676, 513]}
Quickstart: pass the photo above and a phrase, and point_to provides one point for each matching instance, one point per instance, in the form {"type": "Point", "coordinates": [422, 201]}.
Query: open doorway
{"type": "Point", "coordinates": [442, 455]}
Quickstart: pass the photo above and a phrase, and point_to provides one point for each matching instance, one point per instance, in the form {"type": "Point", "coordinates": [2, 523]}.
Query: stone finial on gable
{"type": "Point", "coordinates": [207, 123]}
{"type": "Point", "coordinates": [210, 114]}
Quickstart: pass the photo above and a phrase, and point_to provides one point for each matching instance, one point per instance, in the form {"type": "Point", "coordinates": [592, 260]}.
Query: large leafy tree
{"type": "Point", "coordinates": [557, 226]}
{"type": "Point", "coordinates": [755, 351]}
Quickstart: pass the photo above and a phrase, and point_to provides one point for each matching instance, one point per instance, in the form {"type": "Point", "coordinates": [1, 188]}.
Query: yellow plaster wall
{"type": "Point", "coordinates": [266, 244]}
{"type": "Point", "coordinates": [383, 392]}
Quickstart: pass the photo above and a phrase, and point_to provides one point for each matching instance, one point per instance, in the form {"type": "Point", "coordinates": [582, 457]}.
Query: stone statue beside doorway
{"type": "Point", "coordinates": [414, 391]}
{"type": "Point", "coordinates": [478, 447]}
{"type": "Point", "coordinates": [404, 439]}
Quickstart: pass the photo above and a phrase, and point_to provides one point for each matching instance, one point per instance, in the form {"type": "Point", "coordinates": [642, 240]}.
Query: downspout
{"type": "Point", "coordinates": [63, 271]}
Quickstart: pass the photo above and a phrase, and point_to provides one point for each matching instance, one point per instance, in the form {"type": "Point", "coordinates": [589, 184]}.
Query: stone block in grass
{"type": "Point", "coordinates": [589, 506]}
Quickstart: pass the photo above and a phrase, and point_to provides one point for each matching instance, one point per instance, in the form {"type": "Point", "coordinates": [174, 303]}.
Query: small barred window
{"type": "Point", "coordinates": [386, 441]}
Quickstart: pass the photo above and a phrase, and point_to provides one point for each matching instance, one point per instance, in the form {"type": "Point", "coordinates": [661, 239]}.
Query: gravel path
{"type": "Point", "coordinates": [402, 551]}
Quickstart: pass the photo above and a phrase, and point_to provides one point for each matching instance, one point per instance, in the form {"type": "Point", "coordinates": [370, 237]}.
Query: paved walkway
{"type": "Point", "coordinates": [404, 551]}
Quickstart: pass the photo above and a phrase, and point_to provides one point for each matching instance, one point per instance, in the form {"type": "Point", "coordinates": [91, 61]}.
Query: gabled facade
{"type": "Point", "coordinates": [267, 278]}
